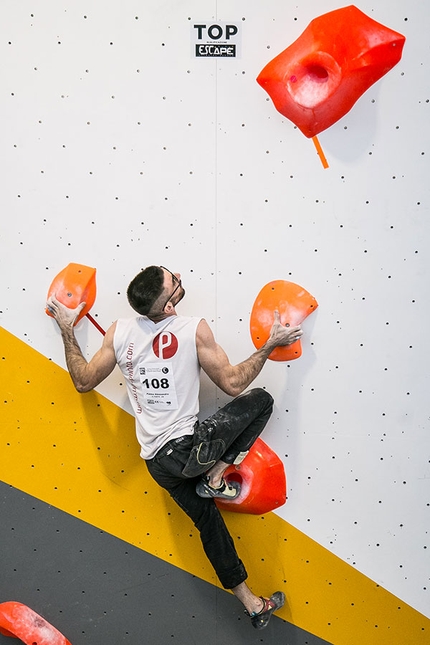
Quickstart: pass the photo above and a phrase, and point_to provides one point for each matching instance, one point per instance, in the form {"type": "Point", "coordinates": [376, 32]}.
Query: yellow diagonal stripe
{"type": "Point", "coordinates": [79, 453]}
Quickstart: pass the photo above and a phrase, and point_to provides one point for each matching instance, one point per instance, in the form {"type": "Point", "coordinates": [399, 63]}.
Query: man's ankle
{"type": "Point", "coordinates": [215, 483]}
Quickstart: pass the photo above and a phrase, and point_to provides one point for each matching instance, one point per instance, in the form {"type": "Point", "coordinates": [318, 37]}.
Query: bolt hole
{"type": "Point", "coordinates": [317, 73]}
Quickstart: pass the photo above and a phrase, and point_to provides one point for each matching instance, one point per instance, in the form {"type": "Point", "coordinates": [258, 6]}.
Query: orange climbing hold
{"type": "Point", "coordinates": [317, 79]}
{"type": "Point", "coordinates": [263, 482]}
{"type": "Point", "coordinates": [294, 305]}
{"type": "Point", "coordinates": [73, 285]}
{"type": "Point", "coordinates": [19, 621]}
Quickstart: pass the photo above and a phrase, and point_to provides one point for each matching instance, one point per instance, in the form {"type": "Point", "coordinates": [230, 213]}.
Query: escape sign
{"type": "Point", "coordinates": [215, 39]}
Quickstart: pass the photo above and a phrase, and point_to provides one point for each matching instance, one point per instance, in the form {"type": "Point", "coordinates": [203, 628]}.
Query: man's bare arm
{"type": "Point", "coordinates": [234, 379]}
{"type": "Point", "coordinates": [85, 375]}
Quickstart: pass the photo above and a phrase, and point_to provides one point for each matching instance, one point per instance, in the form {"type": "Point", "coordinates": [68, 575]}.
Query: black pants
{"type": "Point", "coordinates": [178, 465]}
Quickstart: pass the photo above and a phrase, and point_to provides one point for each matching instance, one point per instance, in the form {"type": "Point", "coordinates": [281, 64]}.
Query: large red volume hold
{"type": "Point", "coordinates": [317, 79]}
{"type": "Point", "coordinates": [263, 482]}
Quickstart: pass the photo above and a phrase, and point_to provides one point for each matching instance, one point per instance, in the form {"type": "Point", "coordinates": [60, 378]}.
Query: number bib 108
{"type": "Point", "coordinates": [158, 386]}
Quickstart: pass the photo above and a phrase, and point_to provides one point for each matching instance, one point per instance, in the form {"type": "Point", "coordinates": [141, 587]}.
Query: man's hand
{"type": "Point", "coordinates": [281, 335]}
{"type": "Point", "coordinates": [64, 316]}
{"type": "Point", "coordinates": [85, 375]}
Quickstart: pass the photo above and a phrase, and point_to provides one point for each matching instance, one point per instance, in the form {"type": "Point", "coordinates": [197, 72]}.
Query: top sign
{"type": "Point", "coordinates": [216, 40]}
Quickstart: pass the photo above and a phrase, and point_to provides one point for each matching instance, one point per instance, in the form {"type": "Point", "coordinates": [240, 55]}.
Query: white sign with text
{"type": "Point", "coordinates": [216, 39]}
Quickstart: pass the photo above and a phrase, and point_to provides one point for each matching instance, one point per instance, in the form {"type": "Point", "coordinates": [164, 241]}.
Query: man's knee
{"type": "Point", "coordinates": [262, 396]}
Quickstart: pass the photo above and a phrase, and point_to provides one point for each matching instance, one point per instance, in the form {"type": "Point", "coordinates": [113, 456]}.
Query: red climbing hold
{"type": "Point", "coordinates": [317, 79]}
{"type": "Point", "coordinates": [73, 285]}
{"type": "Point", "coordinates": [263, 482]}
{"type": "Point", "coordinates": [293, 303]}
{"type": "Point", "coordinates": [19, 621]}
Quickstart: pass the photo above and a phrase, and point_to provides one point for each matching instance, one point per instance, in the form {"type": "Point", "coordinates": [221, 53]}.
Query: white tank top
{"type": "Point", "coordinates": [162, 373]}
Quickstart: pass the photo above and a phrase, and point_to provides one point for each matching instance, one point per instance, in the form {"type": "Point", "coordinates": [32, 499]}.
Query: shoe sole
{"type": "Point", "coordinates": [260, 622]}
{"type": "Point", "coordinates": [204, 490]}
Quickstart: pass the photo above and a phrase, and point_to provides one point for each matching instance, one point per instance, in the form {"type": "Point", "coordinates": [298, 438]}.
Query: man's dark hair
{"type": "Point", "coordinates": [145, 289]}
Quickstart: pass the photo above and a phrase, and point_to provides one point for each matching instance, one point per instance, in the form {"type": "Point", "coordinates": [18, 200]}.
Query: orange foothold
{"type": "Point", "coordinates": [76, 283]}
{"type": "Point", "coordinates": [294, 305]}
{"type": "Point", "coordinates": [19, 621]}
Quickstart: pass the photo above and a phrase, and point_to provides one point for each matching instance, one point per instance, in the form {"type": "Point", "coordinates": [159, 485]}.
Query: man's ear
{"type": "Point", "coordinates": [169, 307]}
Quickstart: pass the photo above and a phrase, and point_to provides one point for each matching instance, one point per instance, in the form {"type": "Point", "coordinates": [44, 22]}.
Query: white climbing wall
{"type": "Point", "coordinates": [120, 149]}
